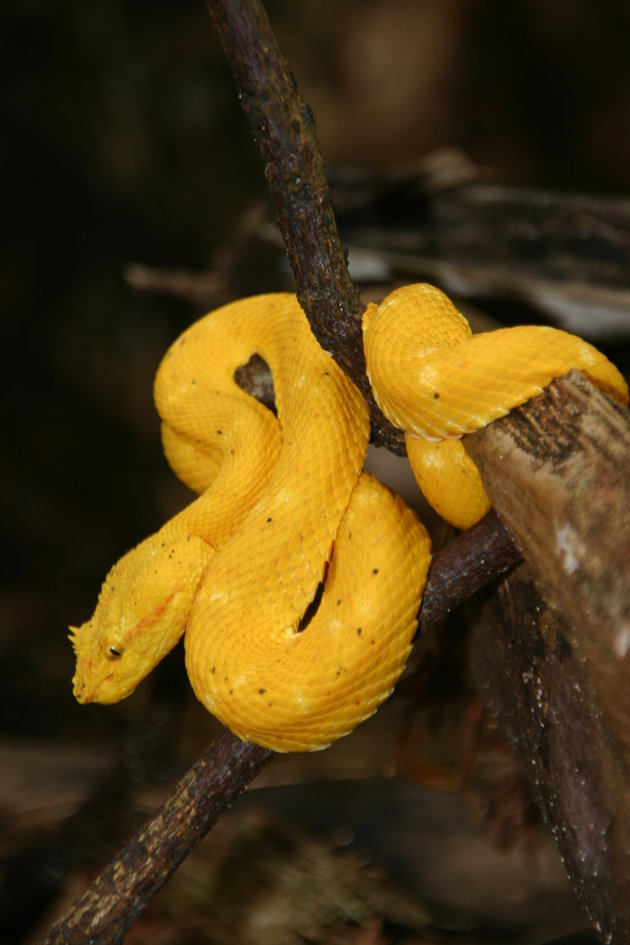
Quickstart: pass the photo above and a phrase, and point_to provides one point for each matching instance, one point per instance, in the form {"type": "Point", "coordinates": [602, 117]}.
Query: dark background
{"type": "Point", "coordinates": [122, 141]}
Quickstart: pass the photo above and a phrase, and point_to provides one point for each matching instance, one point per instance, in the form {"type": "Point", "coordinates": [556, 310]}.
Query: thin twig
{"type": "Point", "coordinates": [122, 891]}
{"type": "Point", "coordinates": [284, 131]}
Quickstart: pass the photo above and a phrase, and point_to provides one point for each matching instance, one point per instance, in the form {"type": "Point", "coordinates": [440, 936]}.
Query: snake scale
{"type": "Point", "coordinates": [284, 506]}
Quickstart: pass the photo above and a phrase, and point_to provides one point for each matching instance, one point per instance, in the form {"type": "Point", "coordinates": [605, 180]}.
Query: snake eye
{"type": "Point", "coordinates": [113, 653]}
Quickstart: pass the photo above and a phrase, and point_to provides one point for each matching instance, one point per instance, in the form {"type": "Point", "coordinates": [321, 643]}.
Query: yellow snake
{"type": "Point", "coordinates": [284, 506]}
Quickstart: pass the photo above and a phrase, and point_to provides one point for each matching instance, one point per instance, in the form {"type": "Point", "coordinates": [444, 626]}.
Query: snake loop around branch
{"type": "Point", "coordinates": [284, 505]}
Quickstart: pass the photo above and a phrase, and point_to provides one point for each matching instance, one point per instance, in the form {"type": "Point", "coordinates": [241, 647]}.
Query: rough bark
{"type": "Point", "coordinates": [564, 257]}
{"type": "Point", "coordinates": [552, 657]}
{"type": "Point", "coordinates": [284, 131]}
{"type": "Point", "coordinates": [111, 905]}
{"type": "Point", "coordinates": [532, 678]}
{"type": "Point", "coordinates": [557, 474]}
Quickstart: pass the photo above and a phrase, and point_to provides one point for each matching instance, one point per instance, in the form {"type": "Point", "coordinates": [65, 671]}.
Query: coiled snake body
{"type": "Point", "coordinates": [284, 506]}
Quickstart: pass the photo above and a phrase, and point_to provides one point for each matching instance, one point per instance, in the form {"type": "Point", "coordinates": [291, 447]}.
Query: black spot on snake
{"type": "Point", "coordinates": [312, 608]}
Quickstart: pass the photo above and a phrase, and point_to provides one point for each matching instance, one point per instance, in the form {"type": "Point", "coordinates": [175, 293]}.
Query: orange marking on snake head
{"type": "Point", "coordinates": [151, 619]}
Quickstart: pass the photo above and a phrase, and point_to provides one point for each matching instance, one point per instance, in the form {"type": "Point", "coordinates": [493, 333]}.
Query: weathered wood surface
{"type": "Point", "coordinates": [532, 678]}
{"type": "Point", "coordinates": [564, 256]}
{"type": "Point", "coordinates": [557, 473]}
{"type": "Point", "coordinates": [552, 657]}
{"type": "Point", "coordinates": [561, 258]}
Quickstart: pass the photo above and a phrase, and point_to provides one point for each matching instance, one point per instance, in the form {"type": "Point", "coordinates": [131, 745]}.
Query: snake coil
{"type": "Point", "coordinates": [284, 506]}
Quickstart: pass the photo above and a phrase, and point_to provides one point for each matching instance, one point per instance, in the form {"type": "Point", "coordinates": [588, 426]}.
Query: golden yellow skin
{"type": "Point", "coordinates": [436, 380]}
{"type": "Point", "coordinates": [284, 504]}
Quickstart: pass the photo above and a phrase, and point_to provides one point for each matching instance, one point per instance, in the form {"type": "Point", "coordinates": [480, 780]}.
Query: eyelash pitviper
{"type": "Point", "coordinates": [284, 504]}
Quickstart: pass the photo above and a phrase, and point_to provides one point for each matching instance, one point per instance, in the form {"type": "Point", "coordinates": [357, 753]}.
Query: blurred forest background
{"type": "Point", "coordinates": [123, 143]}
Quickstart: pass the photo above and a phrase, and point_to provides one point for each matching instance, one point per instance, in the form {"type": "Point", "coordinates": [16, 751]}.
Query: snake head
{"type": "Point", "coordinates": [142, 612]}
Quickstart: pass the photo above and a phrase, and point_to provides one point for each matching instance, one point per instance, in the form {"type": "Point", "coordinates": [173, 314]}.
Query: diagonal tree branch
{"type": "Point", "coordinates": [284, 131]}
{"type": "Point", "coordinates": [122, 891]}
{"type": "Point", "coordinates": [556, 668]}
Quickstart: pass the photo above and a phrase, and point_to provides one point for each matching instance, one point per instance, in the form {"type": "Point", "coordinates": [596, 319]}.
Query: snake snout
{"type": "Point", "coordinates": [79, 690]}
